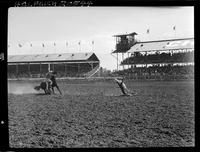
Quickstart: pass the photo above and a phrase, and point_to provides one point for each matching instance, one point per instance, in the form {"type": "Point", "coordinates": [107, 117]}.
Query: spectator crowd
{"type": "Point", "coordinates": [139, 58]}
{"type": "Point", "coordinates": [147, 66]}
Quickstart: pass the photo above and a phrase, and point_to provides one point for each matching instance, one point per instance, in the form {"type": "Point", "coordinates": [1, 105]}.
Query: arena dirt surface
{"type": "Point", "coordinates": [94, 114]}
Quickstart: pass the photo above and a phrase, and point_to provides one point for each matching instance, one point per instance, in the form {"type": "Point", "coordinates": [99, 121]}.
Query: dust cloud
{"type": "Point", "coordinates": [21, 88]}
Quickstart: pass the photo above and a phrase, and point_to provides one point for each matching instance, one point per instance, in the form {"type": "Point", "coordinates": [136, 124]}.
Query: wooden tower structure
{"type": "Point", "coordinates": [123, 43]}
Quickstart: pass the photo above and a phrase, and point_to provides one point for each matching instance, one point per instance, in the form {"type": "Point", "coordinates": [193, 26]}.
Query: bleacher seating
{"type": "Point", "coordinates": [180, 57]}
{"type": "Point", "coordinates": [70, 70]}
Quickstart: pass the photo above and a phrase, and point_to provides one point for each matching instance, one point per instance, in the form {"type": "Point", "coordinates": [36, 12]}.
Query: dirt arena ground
{"type": "Point", "coordinates": [94, 114]}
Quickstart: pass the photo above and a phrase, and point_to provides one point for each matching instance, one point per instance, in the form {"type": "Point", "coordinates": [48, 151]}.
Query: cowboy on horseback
{"type": "Point", "coordinates": [48, 81]}
{"type": "Point", "coordinates": [54, 83]}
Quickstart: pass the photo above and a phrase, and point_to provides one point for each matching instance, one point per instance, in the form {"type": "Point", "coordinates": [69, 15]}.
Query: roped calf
{"type": "Point", "coordinates": [43, 86]}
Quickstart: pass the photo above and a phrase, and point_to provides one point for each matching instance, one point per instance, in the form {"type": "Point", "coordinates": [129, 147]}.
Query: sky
{"type": "Point", "coordinates": [31, 27]}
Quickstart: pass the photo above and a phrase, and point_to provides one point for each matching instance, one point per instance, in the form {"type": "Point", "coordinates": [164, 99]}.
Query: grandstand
{"type": "Point", "coordinates": [162, 59]}
{"type": "Point", "coordinates": [66, 64]}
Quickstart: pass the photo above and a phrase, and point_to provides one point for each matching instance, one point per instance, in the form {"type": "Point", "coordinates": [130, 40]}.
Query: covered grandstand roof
{"type": "Point", "coordinates": [52, 57]}
{"type": "Point", "coordinates": [173, 44]}
{"type": "Point", "coordinates": [119, 35]}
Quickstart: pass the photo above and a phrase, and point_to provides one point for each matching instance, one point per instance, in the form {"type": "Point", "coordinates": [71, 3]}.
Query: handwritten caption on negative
{"type": "Point", "coordinates": [51, 3]}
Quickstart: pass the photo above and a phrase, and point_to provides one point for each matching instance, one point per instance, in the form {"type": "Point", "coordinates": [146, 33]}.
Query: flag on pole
{"type": "Point", "coordinates": [93, 45]}
{"type": "Point", "coordinates": [147, 31]}
{"type": "Point", "coordinates": [20, 45]}
{"type": "Point", "coordinates": [174, 28]}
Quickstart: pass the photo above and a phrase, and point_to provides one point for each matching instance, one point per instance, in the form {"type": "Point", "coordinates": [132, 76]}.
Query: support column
{"type": "Point", "coordinates": [78, 67]}
{"type": "Point", "coordinates": [29, 71]}
{"type": "Point", "coordinates": [53, 67]}
{"type": "Point", "coordinates": [40, 69]}
{"type": "Point", "coordinates": [17, 68]}
{"type": "Point", "coordinates": [145, 55]}
{"type": "Point", "coordinates": [128, 61]}
{"type": "Point", "coordinates": [91, 65]}
{"type": "Point", "coordinates": [49, 67]}
{"type": "Point", "coordinates": [123, 60]}
{"type": "Point", "coordinates": [117, 62]}
{"type": "Point", "coordinates": [65, 68]}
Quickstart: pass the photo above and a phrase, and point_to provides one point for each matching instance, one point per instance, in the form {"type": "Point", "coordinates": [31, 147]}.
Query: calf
{"type": "Point", "coordinates": [43, 86]}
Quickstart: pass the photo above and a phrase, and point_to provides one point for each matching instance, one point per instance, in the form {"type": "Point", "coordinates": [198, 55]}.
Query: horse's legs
{"type": "Point", "coordinates": [52, 89]}
{"type": "Point", "coordinates": [45, 91]}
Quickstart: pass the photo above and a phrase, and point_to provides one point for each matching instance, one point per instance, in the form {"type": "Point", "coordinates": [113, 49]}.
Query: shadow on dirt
{"type": "Point", "coordinates": [111, 95]}
{"type": "Point", "coordinates": [41, 94]}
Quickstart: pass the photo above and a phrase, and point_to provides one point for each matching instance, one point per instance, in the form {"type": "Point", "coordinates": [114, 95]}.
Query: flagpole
{"type": "Point", "coordinates": [54, 44]}
{"type": "Point", "coordinates": [20, 46]}
{"type": "Point", "coordinates": [66, 45]}
{"type": "Point", "coordinates": [174, 28]}
{"type": "Point", "coordinates": [92, 45]}
{"type": "Point", "coordinates": [79, 46]}
{"type": "Point", "coordinates": [148, 34]}
{"type": "Point", "coordinates": [42, 47]}
{"type": "Point", "coordinates": [31, 49]}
